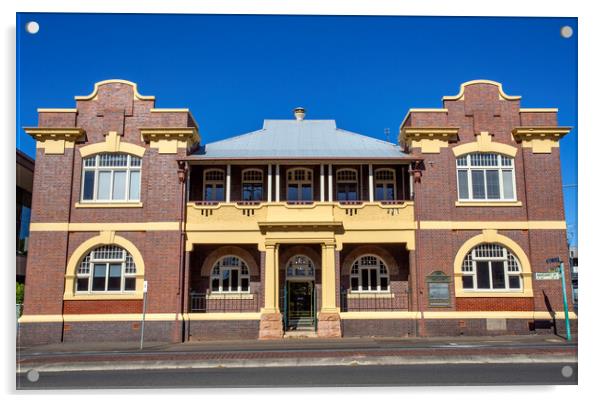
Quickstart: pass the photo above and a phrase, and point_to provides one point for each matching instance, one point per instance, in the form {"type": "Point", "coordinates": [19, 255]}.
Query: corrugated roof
{"type": "Point", "coordinates": [299, 139]}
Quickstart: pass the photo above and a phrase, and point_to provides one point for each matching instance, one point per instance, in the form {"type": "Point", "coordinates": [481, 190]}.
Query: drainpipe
{"type": "Point", "coordinates": [182, 175]}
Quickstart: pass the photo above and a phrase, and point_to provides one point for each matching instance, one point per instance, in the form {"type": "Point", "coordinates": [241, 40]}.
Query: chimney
{"type": "Point", "coordinates": [299, 113]}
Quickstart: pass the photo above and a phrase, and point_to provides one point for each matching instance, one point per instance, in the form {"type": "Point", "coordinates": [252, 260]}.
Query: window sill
{"type": "Point", "coordinates": [494, 294]}
{"type": "Point", "coordinates": [488, 203]}
{"type": "Point", "coordinates": [229, 295]}
{"type": "Point", "coordinates": [370, 295]}
{"type": "Point", "coordinates": [92, 297]}
{"type": "Point", "coordinates": [108, 205]}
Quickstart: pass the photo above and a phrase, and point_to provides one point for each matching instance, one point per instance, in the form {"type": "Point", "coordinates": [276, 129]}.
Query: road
{"type": "Point", "coordinates": [382, 375]}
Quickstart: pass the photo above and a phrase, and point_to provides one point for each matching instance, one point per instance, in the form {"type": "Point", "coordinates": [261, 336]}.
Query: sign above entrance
{"type": "Point", "coordinates": [547, 276]}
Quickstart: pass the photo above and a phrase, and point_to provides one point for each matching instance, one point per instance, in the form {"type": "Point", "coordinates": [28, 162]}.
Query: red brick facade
{"type": "Point", "coordinates": [172, 272]}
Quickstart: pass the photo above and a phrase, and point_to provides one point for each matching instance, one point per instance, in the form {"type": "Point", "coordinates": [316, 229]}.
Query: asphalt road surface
{"type": "Point", "coordinates": [382, 375]}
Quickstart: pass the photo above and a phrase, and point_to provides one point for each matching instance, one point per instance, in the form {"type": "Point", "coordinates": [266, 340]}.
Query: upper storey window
{"type": "Point", "coordinates": [384, 183]}
{"type": "Point", "coordinates": [214, 184]}
{"type": "Point", "coordinates": [347, 184]}
{"type": "Point", "coordinates": [252, 184]}
{"type": "Point", "coordinates": [299, 184]}
{"type": "Point", "coordinates": [111, 178]}
{"type": "Point", "coordinates": [486, 176]}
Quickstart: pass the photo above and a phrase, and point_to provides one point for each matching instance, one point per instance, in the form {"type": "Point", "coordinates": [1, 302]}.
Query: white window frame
{"type": "Point", "coordinates": [85, 269]}
{"type": "Point", "coordinates": [217, 274]}
{"type": "Point", "coordinates": [469, 168]}
{"type": "Point", "coordinates": [356, 272]}
{"type": "Point", "coordinates": [381, 181]}
{"type": "Point", "coordinates": [214, 182]}
{"type": "Point", "coordinates": [512, 267]}
{"type": "Point", "coordinates": [346, 180]}
{"type": "Point", "coordinates": [295, 263]}
{"type": "Point", "coordinates": [96, 168]}
{"type": "Point", "coordinates": [245, 181]}
{"type": "Point", "coordinates": [308, 173]}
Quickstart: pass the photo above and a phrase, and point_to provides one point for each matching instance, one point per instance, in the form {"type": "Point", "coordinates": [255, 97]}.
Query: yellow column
{"type": "Point", "coordinates": [328, 279]}
{"type": "Point", "coordinates": [271, 279]}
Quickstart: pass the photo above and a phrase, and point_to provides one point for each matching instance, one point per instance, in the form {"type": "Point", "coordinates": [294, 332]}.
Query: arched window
{"type": "Point", "coordinates": [111, 178]}
{"type": "Point", "coordinates": [214, 184]}
{"type": "Point", "coordinates": [299, 184]}
{"type": "Point", "coordinates": [347, 184]}
{"type": "Point", "coordinates": [485, 176]}
{"type": "Point", "coordinates": [369, 273]}
{"type": "Point", "coordinates": [108, 268]}
{"type": "Point", "coordinates": [300, 266]}
{"type": "Point", "coordinates": [489, 267]}
{"type": "Point", "coordinates": [230, 274]}
{"type": "Point", "coordinates": [252, 184]}
{"type": "Point", "coordinates": [384, 184]}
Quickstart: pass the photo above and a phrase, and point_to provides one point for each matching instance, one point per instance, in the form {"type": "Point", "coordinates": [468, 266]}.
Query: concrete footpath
{"type": "Point", "coordinates": [296, 353]}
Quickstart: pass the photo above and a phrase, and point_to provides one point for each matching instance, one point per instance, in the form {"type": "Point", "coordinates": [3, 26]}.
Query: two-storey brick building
{"type": "Point", "coordinates": [298, 226]}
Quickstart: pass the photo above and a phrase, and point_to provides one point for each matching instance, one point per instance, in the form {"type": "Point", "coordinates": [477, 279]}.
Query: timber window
{"type": "Point", "coordinates": [347, 184]}
{"type": "Point", "coordinates": [230, 274]}
{"type": "Point", "coordinates": [108, 268]}
{"type": "Point", "coordinates": [111, 178]}
{"type": "Point", "coordinates": [213, 184]}
{"type": "Point", "coordinates": [384, 184]}
{"type": "Point", "coordinates": [252, 184]}
{"type": "Point", "coordinates": [485, 176]}
{"type": "Point", "coordinates": [491, 267]}
{"type": "Point", "coordinates": [369, 273]}
{"type": "Point", "coordinates": [299, 184]}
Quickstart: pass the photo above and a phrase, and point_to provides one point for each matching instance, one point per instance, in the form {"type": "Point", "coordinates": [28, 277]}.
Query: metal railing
{"type": "Point", "coordinates": [357, 302]}
{"type": "Point", "coordinates": [225, 302]}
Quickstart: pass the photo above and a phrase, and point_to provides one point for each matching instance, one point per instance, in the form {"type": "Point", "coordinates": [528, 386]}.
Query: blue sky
{"type": "Point", "coordinates": [234, 71]}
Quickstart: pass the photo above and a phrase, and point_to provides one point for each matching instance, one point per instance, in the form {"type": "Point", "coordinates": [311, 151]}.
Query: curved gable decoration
{"type": "Point", "coordinates": [491, 236]}
{"type": "Point", "coordinates": [502, 94]}
{"type": "Point", "coordinates": [137, 95]}
{"type": "Point", "coordinates": [112, 144]}
{"type": "Point", "coordinates": [484, 144]}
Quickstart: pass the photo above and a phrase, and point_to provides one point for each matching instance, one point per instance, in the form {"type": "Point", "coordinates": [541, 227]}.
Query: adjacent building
{"type": "Point", "coordinates": [297, 227]}
{"type": "Point", "coordinates": [24, 170]}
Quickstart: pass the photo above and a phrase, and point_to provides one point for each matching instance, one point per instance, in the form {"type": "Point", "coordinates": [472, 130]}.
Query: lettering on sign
{"type": "Point", "coordinates": [547, 276]}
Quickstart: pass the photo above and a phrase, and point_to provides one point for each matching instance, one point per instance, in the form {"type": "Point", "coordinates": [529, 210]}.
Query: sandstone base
{"type": "Point", "coordinates": [329, 325]}
{"type": "Point", "coordinates": [270, 326]}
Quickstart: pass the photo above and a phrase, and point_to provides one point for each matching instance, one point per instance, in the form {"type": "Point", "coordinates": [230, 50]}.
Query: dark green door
{"type": "Point", "coordinates": [300, 304]}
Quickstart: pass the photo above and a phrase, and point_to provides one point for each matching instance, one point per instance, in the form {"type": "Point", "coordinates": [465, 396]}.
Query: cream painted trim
{"type": "Point", "coordinates": [490, 203]}
{"type": "Point", "coordinates": [484, 144]}
{"type": "Point", "coordinates": [106, 237]}
{"type": "Point", "coordinates": [501, 93]}
{"type": "Point", "coordinates": [370, 295]}
{"type": "Point", "coordinates": [420, 110]}
{"type": "Point", "coordinates": [381, 315]}
{"type": "Point", "coordinates": [495, 225]}
{"type": "Point", "coordinates": [429, 139]}
{"type": "Point", "coordinates": [223, 316]}
{"type": "Point", "coordinates": [54, 140]}
{"type": "Point", "coordinates": [541, 139]}
{"type": "Point", "coordinates": [112, 144]}
{"type": "Point", "coordinates": [538, 110]}
{"type": "Point", "coordinates": [98, 84]}
{"type": "Point", "coordinates": [230, 295]}
{"type": "Point", "coordinates": [57, 110]}
{"type": "Point", "coordinates": [168, 140]}
{"type": "Point", "coordinates": [108, 205]}
{"type": "Point", "coordinates": [491, 236]}
{"type": "Point", "coordinates": [93, 227]}
{"type": "Point", "coordinates": [40, 318]}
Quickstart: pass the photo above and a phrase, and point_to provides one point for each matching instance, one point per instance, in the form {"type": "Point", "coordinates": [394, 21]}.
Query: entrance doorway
{"type": "Point", "coordinates": [300, 295]}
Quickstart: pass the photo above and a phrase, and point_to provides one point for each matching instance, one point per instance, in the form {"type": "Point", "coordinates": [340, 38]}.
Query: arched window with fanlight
{"type": "Point", "coordinates": [230, 274]}
{"type": "Point", "coordinates": [106, 269]}
{"type": "Point", "coordinates": [111, 177]}
{"type": "Point", "coordinates": [384, 184]}
{"type": "Point", "coordinates": [491, 267]}
{"type": "Point", "coordinates": [485, 176]}
{"type": "Point", "coordinates": [299, 184]}
{"type": "Point", "coordinates": [347, 189]}
{"type": "Point", "coordinates": [369, 273]}
{"type": "Point", "coordinates": [252, 184]}
{"type": "Point", "coordinates": [213, 184]}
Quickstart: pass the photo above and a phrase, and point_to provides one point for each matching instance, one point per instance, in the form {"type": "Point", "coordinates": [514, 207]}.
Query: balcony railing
{"type": "Point", "coordinates": [358, 302]}
{"type": "Point", "coordinates": [225, 302]}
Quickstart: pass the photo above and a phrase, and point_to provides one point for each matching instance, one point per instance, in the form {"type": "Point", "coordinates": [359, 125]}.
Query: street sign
{"type": "Point", "coordinates": [547, 276]}
{"type": "Point", "coordinates": [145, 286]}
{"type": "Point", "coordinates": [553, 260]}
{"type": "Point", "coordinates": [554, 270]}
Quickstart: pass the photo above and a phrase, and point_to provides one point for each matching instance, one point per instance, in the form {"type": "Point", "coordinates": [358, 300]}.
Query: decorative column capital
{"type": "Point", "coordinates": [54, 140]}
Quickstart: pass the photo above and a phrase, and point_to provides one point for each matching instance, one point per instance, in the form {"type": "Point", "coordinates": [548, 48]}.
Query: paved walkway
{"type": "Point", "coordinates": [296, 352]}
